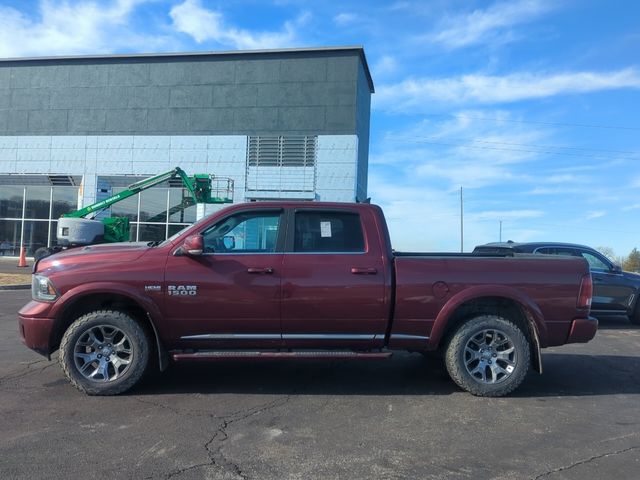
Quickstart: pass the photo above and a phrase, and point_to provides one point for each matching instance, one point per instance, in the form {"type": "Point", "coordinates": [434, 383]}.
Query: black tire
{"type": "Point", "coordinates": [496, 368]}
{"type": "Point", "coordinates": [104, 352]}
{"type": "Point", "coordinates": [635, 317]}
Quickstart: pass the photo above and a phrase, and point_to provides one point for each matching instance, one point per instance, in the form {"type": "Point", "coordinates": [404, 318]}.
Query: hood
{"type": "Point", "coordinates": [104, 253]}
{"type": "Point", "coordinates": [634, 277]}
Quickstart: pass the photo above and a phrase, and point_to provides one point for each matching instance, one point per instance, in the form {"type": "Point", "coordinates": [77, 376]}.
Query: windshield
{"type": "Point", "coordinates": [177, 234]}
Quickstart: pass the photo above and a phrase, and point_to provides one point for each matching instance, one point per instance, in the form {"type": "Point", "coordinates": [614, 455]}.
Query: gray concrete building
{"type": "Point", "coordinates": [290, 123]}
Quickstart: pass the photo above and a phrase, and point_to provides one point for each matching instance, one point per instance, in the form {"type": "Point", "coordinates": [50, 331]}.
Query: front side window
{"type": "Point", "coordinates": [247, 232]}
{"type": "Point", "coordinates": [328, 232]}
{"type": "Point", "coordinates": [595, 263]}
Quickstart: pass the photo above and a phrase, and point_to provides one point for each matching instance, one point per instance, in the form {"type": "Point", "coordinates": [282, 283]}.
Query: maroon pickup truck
{"type": "Point", "coordinates": [299, 280]}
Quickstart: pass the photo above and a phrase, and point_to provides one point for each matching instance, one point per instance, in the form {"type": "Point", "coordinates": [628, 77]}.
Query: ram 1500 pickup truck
{"type": "Point", "coordinates": [294, 280]}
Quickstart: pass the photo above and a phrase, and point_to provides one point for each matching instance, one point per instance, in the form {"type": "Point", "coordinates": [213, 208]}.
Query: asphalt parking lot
{"type": "Point", "coordinates": [400, 418]}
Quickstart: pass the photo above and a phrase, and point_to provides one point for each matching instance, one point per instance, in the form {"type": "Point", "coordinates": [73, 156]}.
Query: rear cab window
{"type": "Point", "coordinates": [328, 232]}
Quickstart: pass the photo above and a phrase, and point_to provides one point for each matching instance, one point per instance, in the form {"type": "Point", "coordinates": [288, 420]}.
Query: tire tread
{"type": "Point", "coordinates": [457, 371]}
{"type": "Point", "coordinates": [136, 370]}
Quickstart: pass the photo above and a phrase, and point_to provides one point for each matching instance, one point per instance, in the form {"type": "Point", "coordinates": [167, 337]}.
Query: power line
{"type": "Point", "coordinates": [556, 124]}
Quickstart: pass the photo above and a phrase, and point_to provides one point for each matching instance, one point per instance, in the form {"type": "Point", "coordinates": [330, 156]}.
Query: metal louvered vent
{"type": "Point", "coordinates": [175, 182]}
{"type": "Point", "coordinates": [62, 181]}
{"type": "Point", "coordinates": [289, 151]}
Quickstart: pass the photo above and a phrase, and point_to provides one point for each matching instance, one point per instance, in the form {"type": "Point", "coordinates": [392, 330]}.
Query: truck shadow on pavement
{"type": "Point", "coordinates": [405, 374]}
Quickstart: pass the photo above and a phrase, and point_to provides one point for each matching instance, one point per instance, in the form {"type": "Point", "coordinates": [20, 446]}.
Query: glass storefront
{"type": "Point", "coordinates": [155, 214]}
{"type": "Point", "coordinates": [29, 214]}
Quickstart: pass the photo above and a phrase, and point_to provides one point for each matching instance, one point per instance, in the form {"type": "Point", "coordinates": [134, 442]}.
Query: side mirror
{"type": "Point", "coordinates": [616, 269]}
{"type": "Point", "coordinates": [193, 245]}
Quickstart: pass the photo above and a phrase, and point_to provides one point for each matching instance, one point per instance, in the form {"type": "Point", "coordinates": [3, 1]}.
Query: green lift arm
{"type": "Point", "coordinates": [116, 229]}
{"type": "Point", "coordinates": [199, 186]}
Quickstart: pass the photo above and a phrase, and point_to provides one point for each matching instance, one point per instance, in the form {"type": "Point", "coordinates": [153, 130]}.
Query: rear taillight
{"type": "Point", "coordinates": [586, 292]}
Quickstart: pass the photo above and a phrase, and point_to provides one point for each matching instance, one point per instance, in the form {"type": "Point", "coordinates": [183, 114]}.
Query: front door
{"type": "Point", "coordinates": [612, 292]}
{"type": "Point", "coordinates": [229, 297]}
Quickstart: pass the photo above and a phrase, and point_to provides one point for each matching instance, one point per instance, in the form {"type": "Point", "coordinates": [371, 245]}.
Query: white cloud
{"type": "Point", "coordinates": [343, 19]}
{"type": "Point", "coordinates": [595, 214]}
{"type": "Point", "coordinates": [417, 94]}
{"type": "Point", "coordinates": [463, 150]}
{"type": "Point", "coordinates": [508, 214]}
{"type": "Point", "coordinates": [62, 28]}
{"type": "Point", "coordinates": [491, 24]}
{"type": "Point", "coordinates": [387, 65]}
{"type": "Point", "coordinates": [203, 25]}
{"type": "Point", "coordinates": [567, 178]}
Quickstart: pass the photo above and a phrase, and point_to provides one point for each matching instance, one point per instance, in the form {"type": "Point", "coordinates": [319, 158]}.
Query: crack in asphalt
{"type": "Point", "coordinates": [585, 461]}
{"type": "Point", "coordinates": [160, 405]}
{"type": "Point", "coordinates": [217, 458]}
{"type": "Point", "coordinates": [27, 370]}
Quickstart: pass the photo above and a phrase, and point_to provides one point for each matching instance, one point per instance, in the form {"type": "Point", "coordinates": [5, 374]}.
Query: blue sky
{"type": "Point", "coordinates": [530, 105]}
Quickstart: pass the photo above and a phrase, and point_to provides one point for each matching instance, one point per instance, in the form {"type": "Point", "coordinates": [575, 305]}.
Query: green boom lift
{"type": "Point", "coordinates": [75, 230]}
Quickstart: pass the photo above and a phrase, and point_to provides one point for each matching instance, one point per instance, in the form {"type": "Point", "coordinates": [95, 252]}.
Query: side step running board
{"type": "Point", "coordinates": [210, 355]}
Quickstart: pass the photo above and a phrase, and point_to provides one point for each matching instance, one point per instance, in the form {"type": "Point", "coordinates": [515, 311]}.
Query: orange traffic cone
{"type": "Point", "coordinates": [23, 258]}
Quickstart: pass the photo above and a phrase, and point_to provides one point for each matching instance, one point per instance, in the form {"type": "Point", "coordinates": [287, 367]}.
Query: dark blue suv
{"type": "Point", "coordinates": [615, 292]}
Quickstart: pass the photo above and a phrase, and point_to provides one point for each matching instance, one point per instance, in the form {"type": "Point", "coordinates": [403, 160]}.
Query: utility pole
{"type": "Point", "coordinates": [461, 222]}
{"type": "Point", "coordinates": [501, 230]}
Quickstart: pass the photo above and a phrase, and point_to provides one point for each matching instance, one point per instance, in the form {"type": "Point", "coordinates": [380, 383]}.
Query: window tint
{"type": "Point", "coordinates": [557, 251]}
{"type": "Point", "coordinates": [595, 263]}
{"type": "Point", "coordinates": [328, 232]}
{"type": "Point", "coordinates": [248, 232]}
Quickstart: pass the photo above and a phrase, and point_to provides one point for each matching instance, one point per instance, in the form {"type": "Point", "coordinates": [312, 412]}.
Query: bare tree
{"type": "Point", "coordinates": [632, 262]}
{"type": "Point", "coordinates": [611, 255]}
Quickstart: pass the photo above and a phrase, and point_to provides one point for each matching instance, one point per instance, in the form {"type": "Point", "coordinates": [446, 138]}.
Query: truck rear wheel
{"type": "Point", "coordinates": [488, 356]}
{"type": "Point", "coordinates": [104, 352]}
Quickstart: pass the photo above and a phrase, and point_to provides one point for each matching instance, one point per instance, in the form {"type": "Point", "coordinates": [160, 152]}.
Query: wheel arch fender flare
{"type": "Point", "coordinates": [530, 309]}
{"type": "Point", "coordinates": [77, 294]}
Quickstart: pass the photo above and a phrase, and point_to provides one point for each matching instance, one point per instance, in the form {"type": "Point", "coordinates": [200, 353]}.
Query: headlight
{"type": "Point", "coordinates": [42, 288]}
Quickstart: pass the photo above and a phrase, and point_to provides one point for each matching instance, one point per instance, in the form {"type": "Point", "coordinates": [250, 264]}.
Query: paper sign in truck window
{"type": "Point", "coordinates": [325, 229]}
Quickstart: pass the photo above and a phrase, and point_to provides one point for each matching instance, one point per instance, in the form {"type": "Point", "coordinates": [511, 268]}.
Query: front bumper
{"type": "Point", "coordinates": [36, 327]}
{"type": "Point", "coordinates": [582, 330]}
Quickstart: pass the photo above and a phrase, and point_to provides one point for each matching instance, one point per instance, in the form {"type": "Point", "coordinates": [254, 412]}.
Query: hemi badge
{"type": "Point", "coordinates": [152, 288]}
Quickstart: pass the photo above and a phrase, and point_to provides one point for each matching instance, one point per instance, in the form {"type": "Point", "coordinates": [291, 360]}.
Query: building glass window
{"type": "Point", "coordinates": [38, 202]}
{"type": "Point", "coordinates": [157, 213]}
{"type": "Point", "coordinates": [29, 213]}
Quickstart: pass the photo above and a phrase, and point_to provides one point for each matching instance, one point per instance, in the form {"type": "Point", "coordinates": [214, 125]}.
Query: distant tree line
{"type": "Point", "coordinates": [630, 263]}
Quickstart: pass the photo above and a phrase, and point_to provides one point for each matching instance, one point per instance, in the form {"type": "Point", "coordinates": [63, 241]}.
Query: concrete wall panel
{"type": "Point", "coordinates": [82, 121]}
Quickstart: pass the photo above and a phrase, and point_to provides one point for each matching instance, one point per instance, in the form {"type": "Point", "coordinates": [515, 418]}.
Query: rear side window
{"type": "Point", "coordinates": [328, 232]}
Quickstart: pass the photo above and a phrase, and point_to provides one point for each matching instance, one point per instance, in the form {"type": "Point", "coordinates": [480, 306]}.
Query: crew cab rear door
{"type": "Point", "coordinates": [229, 297]}
{"type": "Point", "coordinates": [333, 285]}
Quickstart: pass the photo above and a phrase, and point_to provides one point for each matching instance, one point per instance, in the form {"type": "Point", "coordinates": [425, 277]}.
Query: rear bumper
{"type": "Point", "coordinates": [582, 330]}
{"type": "Point", "coordinates": [35, 327]}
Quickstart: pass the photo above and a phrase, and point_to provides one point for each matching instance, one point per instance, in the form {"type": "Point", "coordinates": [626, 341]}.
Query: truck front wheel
{"type": "Point", "coordinates": [488, 356]}
{"type": "Point", "coordinates": [104, 352]}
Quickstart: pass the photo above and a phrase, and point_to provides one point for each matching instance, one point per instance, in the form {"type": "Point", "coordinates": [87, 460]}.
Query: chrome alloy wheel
{"type": "Point", "coordinates": [490, 356]}
{"type": "Point", "coordinates": [102, 353]}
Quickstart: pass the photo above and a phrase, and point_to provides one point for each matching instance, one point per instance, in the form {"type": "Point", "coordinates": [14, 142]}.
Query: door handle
{"type": "Point", "coordinates": [267, 270]}
{"type": "Point", "coordinates": [363, 271]}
